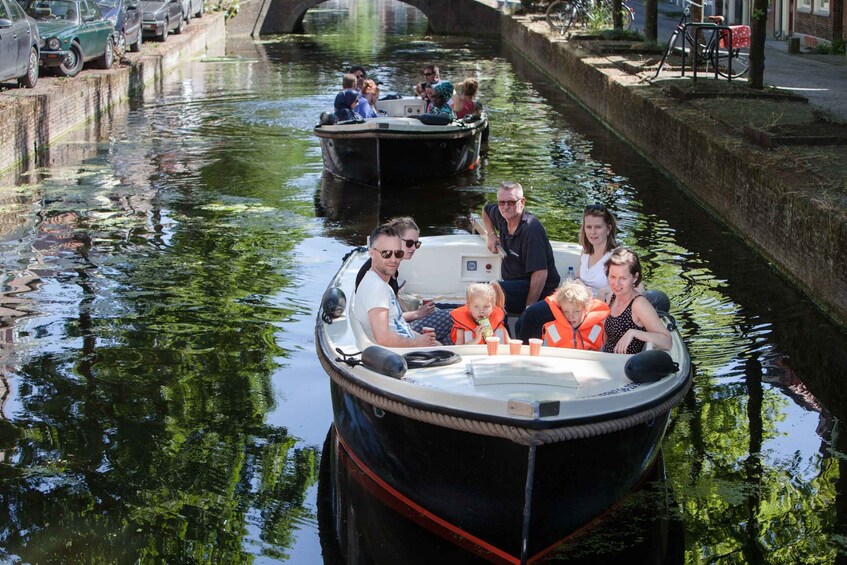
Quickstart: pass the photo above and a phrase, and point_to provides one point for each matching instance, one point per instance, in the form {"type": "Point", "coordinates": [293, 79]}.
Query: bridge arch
{"type": "Point", "coordinates": [472, 17]}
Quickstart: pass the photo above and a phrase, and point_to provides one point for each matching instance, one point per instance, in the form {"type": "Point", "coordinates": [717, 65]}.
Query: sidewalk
{"type": "Point", "coordinates": [820, 78]}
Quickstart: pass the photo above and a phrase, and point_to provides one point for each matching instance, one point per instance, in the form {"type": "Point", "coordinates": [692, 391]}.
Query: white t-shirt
{"type": "Point", "coordinates": [373, 293]}
{"type": "Point", "coordinates": [595, 276]}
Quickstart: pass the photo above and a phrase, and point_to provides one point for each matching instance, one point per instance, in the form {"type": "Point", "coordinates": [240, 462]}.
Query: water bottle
{"type": "Point", "coordinates": [487, 330]}
{"type": "Point", "coordinates": [571, 274]}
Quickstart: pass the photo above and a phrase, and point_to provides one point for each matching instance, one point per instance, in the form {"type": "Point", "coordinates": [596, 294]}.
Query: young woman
{"type": "Point", "coordinates": [597, 237]}
{"type": "Point", "coordinates": [633, 321]}
{"type": "Point", "coordinates": [463, 99]}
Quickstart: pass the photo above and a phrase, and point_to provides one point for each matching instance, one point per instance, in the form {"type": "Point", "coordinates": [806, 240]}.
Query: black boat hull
{"type": "Point", "coordinates": [392, 159]}
{"type": "Point", "coordinates": [472, 487]}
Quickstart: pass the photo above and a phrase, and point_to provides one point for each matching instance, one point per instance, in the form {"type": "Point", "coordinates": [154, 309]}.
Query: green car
{"type": "Point", "coordinates": [72, 33]}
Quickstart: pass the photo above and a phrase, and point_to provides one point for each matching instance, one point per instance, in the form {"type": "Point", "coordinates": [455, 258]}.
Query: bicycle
{"type": "Point", "coordinates": [730, 61]}
{"type": "Point", "coordinates": [562, 14]}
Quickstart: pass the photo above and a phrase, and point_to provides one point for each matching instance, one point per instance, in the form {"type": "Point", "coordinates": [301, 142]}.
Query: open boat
{"type": "Point", "coordinates": [506, 455]}
{"type": "Point", "coordinates": [404, 146]}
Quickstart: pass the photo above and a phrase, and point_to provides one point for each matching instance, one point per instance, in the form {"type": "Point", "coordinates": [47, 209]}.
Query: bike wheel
{"type": "Point", "coordinates": [740, 59]}
{"type": "Point", "coordinates": [668, 51]}
{"type": "Point", "coordinates": [560, 15]}
{"type": "Point", "coordinates": [627, 17]}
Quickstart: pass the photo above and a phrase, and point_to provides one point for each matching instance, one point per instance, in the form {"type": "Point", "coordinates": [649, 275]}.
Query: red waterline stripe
{"type": "Point", "coordinates": [426, 518]}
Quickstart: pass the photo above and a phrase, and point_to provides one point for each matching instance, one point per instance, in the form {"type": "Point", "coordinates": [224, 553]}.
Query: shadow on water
{"type": "Point", "coordinates": [357, 524]}
{"type": "Point", "coordinates": [352, 211]}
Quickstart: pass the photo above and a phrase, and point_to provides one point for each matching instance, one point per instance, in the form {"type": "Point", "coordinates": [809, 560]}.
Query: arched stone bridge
{"type": "Point", "coordinates": [265, 17]}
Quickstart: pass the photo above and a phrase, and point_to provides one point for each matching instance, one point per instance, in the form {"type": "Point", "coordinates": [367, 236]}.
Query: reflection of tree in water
{"type": "Point", "coordinates": [142, 432]}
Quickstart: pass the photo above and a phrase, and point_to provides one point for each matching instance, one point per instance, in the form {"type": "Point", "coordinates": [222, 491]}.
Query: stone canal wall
{"type": "Point", "coordinates": [31, 120]}
{"type": "Point", "coordinates": [804, 236]}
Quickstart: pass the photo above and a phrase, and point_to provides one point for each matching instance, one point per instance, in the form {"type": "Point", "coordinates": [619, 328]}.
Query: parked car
{"type": "Point", "coordinates": [192, 8]}
{"type": "Point", "coordinates": [125, 16]}
{"type": "Point", "coordinates": [161, 17]}
{"type": "Point", "coordinates": [19, 45]}
{"type": "Point", "coordinates": [72, 32]}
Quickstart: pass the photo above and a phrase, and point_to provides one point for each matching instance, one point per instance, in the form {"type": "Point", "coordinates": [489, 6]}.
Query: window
{"type": "Point", "coordinates": [822, 6]}
{"type": "Point", "coordinates": [3, 13]}
{"type": "Point", "coordinates": [805, 5]}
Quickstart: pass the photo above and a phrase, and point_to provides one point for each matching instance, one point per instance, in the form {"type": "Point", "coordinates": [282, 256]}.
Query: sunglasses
{"type": "Point", "coordinates": [508, 203]}
{"type": "Point", "coordinates": [386, 254]}
{"type": "Point", "coordinates": [428, 74]}
{"type": "Point", "coordinates": [595, 208]}
{"type": "Point", "coordinates": [412, 243]}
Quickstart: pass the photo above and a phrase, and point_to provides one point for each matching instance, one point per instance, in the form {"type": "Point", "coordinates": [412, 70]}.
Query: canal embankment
{"type": "Point", "coordinates": [787, 202]}
{"type": "Point", "coordinates": [32, 119]}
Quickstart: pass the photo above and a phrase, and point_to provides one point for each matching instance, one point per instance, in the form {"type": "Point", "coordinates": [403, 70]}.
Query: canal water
{"type": "Point", "coordinates": [161, 396]}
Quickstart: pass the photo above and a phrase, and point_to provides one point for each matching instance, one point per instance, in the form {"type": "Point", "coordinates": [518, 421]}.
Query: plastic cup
{"type": "Point", "coordinates": [535, 346]}
{"type": "Point", "coordinates": [492, 343]}
{"type": "Point", "coordinates": [427, 330]}
{"type": "Point", "coordinates": [515, 346]}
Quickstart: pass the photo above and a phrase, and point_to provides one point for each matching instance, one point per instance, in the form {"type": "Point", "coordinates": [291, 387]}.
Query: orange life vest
{"type": "Point", "coordinates": [464, 322]}
{"type": "Point", "coordinates": [589, 334]}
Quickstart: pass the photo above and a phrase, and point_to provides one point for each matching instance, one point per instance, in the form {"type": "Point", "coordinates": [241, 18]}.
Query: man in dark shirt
{"type": "Point", "coordinates": [528, 269]}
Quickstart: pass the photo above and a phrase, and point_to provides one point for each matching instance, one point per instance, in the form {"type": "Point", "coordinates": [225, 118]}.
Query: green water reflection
{"type": "Point", "coordinates": [161, 397]}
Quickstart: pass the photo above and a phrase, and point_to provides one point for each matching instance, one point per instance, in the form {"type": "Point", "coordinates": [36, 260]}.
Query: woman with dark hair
{"type": "Point", "coordinates": [441, 94]}
{"type": "Point", "coordinates": [632, 323]}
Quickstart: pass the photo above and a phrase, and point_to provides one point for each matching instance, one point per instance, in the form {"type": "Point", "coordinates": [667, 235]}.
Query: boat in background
{"type": "Point", "coordinates": [506, 455]}
{"type": "Point", "coordinates": [404, 146]}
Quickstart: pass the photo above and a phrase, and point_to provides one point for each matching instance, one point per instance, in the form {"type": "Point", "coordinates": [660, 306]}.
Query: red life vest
{"type": "Point", "coordinates": [589, 334]}
{"type": "Point", "coordinates": [464, 322]}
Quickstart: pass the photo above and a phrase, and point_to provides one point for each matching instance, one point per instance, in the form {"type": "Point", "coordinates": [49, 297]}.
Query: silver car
{"type": "Point", "coordinates": [19, 45]}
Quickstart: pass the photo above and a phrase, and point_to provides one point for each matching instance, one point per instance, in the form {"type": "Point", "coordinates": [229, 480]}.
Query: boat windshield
{"type": "Point", "coordinates": [52, 10]}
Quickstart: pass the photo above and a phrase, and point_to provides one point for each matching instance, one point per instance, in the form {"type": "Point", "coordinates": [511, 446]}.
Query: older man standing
{"type": "Point", "coordinates": [528, 269]}
{"type": "Point", "coordinates": [375, 303]}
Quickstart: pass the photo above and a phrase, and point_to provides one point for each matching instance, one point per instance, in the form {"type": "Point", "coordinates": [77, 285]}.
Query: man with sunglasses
{"type": "Point", "coordinates": [432, 76]}
{"type": "Point", "coordinates": [375, 304]}
{"type": "Point", "coordinates": [528, 269]}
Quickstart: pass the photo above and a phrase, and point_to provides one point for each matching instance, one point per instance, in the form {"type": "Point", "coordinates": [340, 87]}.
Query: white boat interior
{"type": "Point", "coordinates": [559, 384]}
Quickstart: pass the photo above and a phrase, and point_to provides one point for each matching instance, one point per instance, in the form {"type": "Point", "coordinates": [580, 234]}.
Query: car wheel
{"type": "Point", "coordinates": [136, 47]}
{"type": "Point", "coordinates": [165, 30]}
{"type": "Point", "coordinates": [202, 9]}
{"type": "Point", "coordinates": [31, 76]}
{"type": "Point", "coordinates": [181, 27]}
{"type": "Point", "coordinates": [105, 60]}
{"type": "Point", "coordinates": [120, 45]}
{"type": "Point", "coordinates": [72, 64]}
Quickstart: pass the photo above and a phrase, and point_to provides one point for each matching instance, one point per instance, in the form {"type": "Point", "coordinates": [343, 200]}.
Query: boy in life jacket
{"type": "Point", "coordinates": [578, 318]}
{"type": "Point", "coordinates": [482, 315]}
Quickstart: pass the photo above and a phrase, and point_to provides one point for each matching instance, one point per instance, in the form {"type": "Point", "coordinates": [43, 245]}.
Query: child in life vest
{"type": "Point", "coordinates": [482, 315]}
{"type": "Point", "coordinates": [578, 318]}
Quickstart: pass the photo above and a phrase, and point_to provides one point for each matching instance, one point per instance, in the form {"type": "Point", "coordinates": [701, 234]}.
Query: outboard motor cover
{"type": "Point", "coordinates": [384, 362]}
{"type": "Point", "coordinates": [650, 366]}
{"type": "Point", "coordinates": [659, 300]}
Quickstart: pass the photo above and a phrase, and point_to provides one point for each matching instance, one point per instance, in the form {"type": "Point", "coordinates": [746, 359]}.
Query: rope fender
{"type": "Point", "coordinates": [521, 436]}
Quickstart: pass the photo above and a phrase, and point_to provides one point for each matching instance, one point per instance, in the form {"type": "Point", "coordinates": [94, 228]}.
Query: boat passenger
{"type": "Point", "coordinates": [426, 315]}
{"type": "Point", "coordinates": [359, 72]}
{"type": "Point", "coordinates": [368, 99]}
{"type": "Point", "coordinates": [482, 315]}
{"type": "Point", "coordinates": [345, 106]}
{"type": "Point", "coordinates": [464, 103]}
{"type": "Point", "coordinates": [528, 269]}
{"type": "Point", "coordinates": [375, 304]}
{"type": "Point", "coordinates": [441, 94]}
{"type": "Point", "coordinates": [632, 321]}
{"type": "Point", "coordinates": [597, 238]}
{"type": "Point", "coordinates": [431, 76]}
{"type": "Point", "coordinates": [578, 318]}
